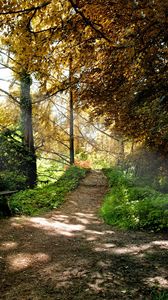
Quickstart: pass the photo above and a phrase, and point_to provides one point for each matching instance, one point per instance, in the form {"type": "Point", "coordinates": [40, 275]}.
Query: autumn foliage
{"type": "Point", "coordinates": [119, 52]}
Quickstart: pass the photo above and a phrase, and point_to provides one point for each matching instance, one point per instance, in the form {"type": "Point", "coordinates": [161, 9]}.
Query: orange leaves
{"type": "Point", "coordinates": [132, 70]}
{"type": "Point", "coordinates": [119, 53]}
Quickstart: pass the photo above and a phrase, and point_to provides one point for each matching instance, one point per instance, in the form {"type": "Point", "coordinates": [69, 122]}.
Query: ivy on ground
{"type": "Point", "coordinates": [48, 197]}
{"type": "Point", "coordinates": [131, 204]}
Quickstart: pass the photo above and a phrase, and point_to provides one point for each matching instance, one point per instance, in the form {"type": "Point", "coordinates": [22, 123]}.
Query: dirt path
{"type": "Point", "coordinates": [71, 254]}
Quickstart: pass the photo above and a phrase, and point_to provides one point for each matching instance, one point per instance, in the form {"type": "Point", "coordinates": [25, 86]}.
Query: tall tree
{"type": "Point", "coordinates": [126, 82]}
{"type": "Point", "coordinates": [30, 168]}
{"type": "Point", "coordinates": [71, 113]}
{"type": "Point", "coordinates": [120, 54]}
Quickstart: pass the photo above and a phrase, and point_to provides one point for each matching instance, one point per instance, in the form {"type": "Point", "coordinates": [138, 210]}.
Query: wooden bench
{"type": "Point", "coordinates": [5, 210]}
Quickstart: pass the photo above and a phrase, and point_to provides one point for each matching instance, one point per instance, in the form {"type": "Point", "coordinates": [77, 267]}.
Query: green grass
{"type": "Point", "coordinates": [48, 171]}
{"type": "Point", "coordinates": [48, 197]}
{"type": "Point", "coordinates": [130, 204]}
{"type": "Point", "coordinates": [156, 294]}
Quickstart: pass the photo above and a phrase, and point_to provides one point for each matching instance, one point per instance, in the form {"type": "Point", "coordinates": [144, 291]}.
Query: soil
{"type": "Point", "coordinates": [71, 254]}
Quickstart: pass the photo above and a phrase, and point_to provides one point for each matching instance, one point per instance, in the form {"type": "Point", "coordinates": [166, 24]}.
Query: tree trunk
{"type": "Point", "coordinates": [77, 133]}
{"type": "Point", "coordinates": [121, 154]}
{"type": "Point", "coordinates": [30, 168]}
{"type": "Point", "coordinates": [71, 109]}
{"type": "Point", "coordinates": [132, 146]}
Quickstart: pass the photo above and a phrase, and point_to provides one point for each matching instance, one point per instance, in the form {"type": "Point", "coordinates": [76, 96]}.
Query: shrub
{"type": "Point", "coordinates": [42, 199]}
{"type": "Point", "coordinates": [157, 294]}
{"type": "Point", "coordinates": [12, 181]}
{"type": "Point", "coordinates": [134, 207]}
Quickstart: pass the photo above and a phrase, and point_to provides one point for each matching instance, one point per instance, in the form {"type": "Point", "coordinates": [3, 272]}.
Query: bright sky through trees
{"type": "Point", "coordinates": [5, 78]}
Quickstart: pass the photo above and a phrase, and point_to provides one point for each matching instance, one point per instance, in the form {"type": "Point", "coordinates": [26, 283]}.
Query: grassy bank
{"type": "Point", "coordinates": [48, 197]}
{"type": "Point", "coordinates": [132, 204]}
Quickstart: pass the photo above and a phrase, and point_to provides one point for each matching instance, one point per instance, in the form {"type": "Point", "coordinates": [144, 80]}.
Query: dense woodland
{"type": "Point", "coordinates": [87, 86]}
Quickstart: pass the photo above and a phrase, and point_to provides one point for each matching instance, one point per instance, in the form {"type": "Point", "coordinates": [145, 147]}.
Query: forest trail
{"type": "Point", "coordinates": [70, 254]}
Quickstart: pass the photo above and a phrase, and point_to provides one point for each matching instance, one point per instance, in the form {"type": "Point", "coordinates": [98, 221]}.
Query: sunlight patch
{"type": "Point", "coordinates": [89, 216]}
{"type": "Point", "coordinates": [97, 285]}
{"type": "Point", "coordinates": [162, 244]}
{"type": "Point", "coordinates": [162, 282]}
{"type": "Point", "coordinates": [91, 238]}
{"type": "Point", "coordinates": [16, 225]}
{"type": "Point", "coordinates": [94, 232]}
{"type": "Point", "coordinates": [57, 227]}
{"type": "Point", "coordinates": [8, 245]}
{"type": "Point", "coordinates": [60, 217]}
{"type": "Point", "coordinates": [132, 249]}
{"type": "Point", "coordinates": [100, 249]}
{"type": "Point", "coordinates": [105, 247]}
{"type": "Point", "coordinates": [83, 220]}
{"type": "Point", "coordinates": [22, 261]}
{"type": "Point", "coordinates": [109, 245]}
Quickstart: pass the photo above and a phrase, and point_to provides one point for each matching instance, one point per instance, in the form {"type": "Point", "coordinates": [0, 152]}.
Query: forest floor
{"type": "Point", "coordinates": [71, 254]}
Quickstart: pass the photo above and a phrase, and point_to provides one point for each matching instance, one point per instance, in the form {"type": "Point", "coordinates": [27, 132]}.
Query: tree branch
{"type": "Point", "coordinates": [88, 22]}
{"type": "Point", "coordinates": [62, 156]}
{"type": "Point", "coordinates": [7, 67]}
{"type": "Point", "coordinates": [53, 159]}
{"type": "Point", "coordinates": [4, 52]}
{"type": "Point", "coordinates": [26, 9]}
{"type": "Point", "coordinates": [9, 95]}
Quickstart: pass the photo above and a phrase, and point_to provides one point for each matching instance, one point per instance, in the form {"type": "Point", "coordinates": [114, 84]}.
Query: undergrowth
{"type": "Point", "coordinates": [131, 204]}
{"type": "Point", "coordinates": [12, 181]}
{"type": "Point", "coordinates": [48, 197]}
{"type": "Point", "coordinates": [156, 294]}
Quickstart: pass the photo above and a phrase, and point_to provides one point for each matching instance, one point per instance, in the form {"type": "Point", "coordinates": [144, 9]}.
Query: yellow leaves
{"type": "Point", "coordinates": [88, 32]}
{"type": "Point", "coordinates": [33, 34]}
{"type": "Point", "coordinates": [8, 115]}
{"type": "Point", "coordinates": [4, 40]}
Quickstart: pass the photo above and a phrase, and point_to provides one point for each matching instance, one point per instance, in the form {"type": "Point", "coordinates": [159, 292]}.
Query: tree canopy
{"type": "Point", "coordinates": [119, 52]}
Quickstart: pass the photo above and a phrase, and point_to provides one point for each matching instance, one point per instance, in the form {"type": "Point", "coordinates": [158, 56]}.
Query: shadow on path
{"type": "Point", "coordinates": [71, 254]}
